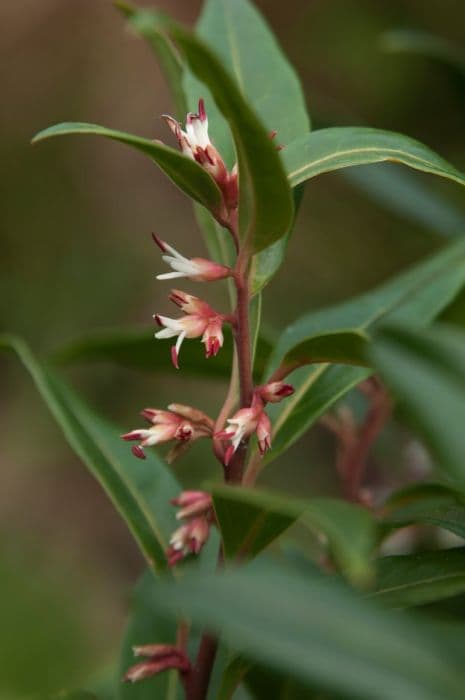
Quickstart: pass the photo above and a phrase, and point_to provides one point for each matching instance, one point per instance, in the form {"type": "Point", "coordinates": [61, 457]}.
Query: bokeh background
{"type": "Point", "coordinates": [76, 256]}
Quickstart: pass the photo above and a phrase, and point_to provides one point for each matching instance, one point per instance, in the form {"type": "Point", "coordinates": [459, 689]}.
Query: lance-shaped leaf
{"type": "Point", "coordinates": [331, 149]}
{"type": "Point", "coordinates": [249, 520]}
{"type": "Point", "coordinates": [426, 371]}
{"type": "Point", "coordinates": [266, 199]}
{"type": "Point", "coordinates": [416, 296]}
{"type": "Point", "coordinates": [315, 629]}
{"type": "Point", "coordinates": [240, 36]}
{"type": "Point", "coordinates": [188, 175]}
{"type": "Point", "coordinates": [413, 41]}
{"type": "Point", "coordinates": [417, 579]}
{"type": "Point", "coordinates": [436, 504]}
{"type": "Point", "coordinates": [139, 489]}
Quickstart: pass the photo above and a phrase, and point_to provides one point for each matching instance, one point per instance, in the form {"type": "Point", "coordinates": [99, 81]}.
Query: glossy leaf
{"type": "Point", "coordinates": [146, 628]}
{"type": "Point", "coordinates": [416, 296]}
{"type": "Point", "coordinates": [190, 177]}
{"type": "Point", "coordinates": [266, 200]}
{"type": "Point", "coordinates": [417, 579]}
{"type": "Point", "coordinates": [426, 371]}
{"type": "Point", "coordinates": [334, 148]}
{"type": "Point", "coordinates": [139, 350]}
{"type": "Point", "coordinates": [139, 489]}
{"type": "Point", "coordinates": [431, 503]}
{"type": "Point", "coordinates": [318, 631]}
{"type": "Point", "coordinates": [250, 519]}
{"type": "Point", "coordinates": [153, 26]}
{"type": "Point", "coordinates": [415, 41]}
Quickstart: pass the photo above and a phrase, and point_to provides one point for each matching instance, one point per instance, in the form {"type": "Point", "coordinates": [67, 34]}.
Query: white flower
{"type": "Point", "coordinates": [198, 269]}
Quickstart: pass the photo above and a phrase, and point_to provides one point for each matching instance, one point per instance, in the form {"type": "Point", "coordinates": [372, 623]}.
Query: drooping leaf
{"type": "Point", "coordinates": [326, 150]}
{"type": "Point", "coordinates": [137, 349]}
{"type": "Point", "coordinates": [139, 489]}
{"type": "Point", "coordinates": [153, 26]}
{"type": "Point", "coordinates": [430, 503]}
{"type": "Point", "coordinates": [400, 191]}
{"type": "Point", "coordinates": [188, 175]}
{"type": "Point", "coordinates": [250, 519]}
{"type": "Point", "coordinates": [266, 200]}
{"type": "Point", "coordinates": [415, 41]}
{"type": "Point", "coordinates": [416, 296]}
{"type": "Point", "coordinates": [316, 630]}
{"type": "Point", "coordinates": [416, 579]}
{"type": "Point", "coordinates": [426, 371]}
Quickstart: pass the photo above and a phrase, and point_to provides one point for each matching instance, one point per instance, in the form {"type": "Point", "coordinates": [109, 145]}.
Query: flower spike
{"type": "Point", "coordinates": [197, 269]}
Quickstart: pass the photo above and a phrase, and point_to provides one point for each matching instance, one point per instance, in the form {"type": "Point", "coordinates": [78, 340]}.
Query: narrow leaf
{"type": "Point", "coordinates": [190, 177]}
{"type": "Point", "coordinates": [314, 629]}
{"type": "Point", "coordinates": [415, 41]}
{"type": "Point", "coordinates": [416, 296]}
{"type": "Point", "coordinates": [417, 579]}
{"type": "Point", "coordinates": [139, 489]}
{"type": "Point", "coordinates": [426, 371]}
{"type": "Point", "coordinates": [326, 150]}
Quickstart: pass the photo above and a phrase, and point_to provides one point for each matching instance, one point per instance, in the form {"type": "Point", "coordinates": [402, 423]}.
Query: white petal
{"type": "Point", "coordinates": [170, 275]}
{"type": "Point", "coordinates": [165, 333]}
{"type": "Point", "coordinates": [179, 341]}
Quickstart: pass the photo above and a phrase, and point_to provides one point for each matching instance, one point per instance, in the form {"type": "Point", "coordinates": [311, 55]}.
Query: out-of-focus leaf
{"type": "Point", "coordinates": [249, 520]}
{"type": "Point", "coordinates": [139, 350]}
{"type": "Point", "coordinates": [188, 175]}
{"type": "Point", "coordinates": [426, 371]}
{"type": "Point", "coordinates": [266, 206]}
{"type": "Point", "coordinates": [265, 683]}
{"type": "Point", "coordinates": [146, 628]}
{"type": "Point", "coordinates": [139, 489]}
{"type": "Point", "coordinates": [232, 676]}
{"type": "Point", "coordinates": [415, 41]}
{"type": "Point", "coordinates": [74, 695]}
{"type": "Point", "coordinates": [346, 347]}
{"type": "Point", "coordinates": [431, 503]}
{"type": "Point", "coordinates": [153, 25]}
{"type": "Point", "coordinates": [416, 579]}
{"type": "Point", "coordinates": [399, 191]}
{"type": "Point", "coordinates": [416, 296]}
{"type": "Point", "coordinates": [316, 630]}
{"type": "Point", "coordinates": [334, 148]}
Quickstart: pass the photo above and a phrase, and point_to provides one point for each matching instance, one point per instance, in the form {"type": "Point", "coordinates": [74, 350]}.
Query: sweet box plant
{"type": "Point", "coordinates": [219, 613]}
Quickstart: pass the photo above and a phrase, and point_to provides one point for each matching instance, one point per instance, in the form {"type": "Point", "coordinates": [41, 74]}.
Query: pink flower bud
{"type": "Point", "coordinates": [264, 433]}
{"type": "Point", "coordinates": [192, 503]}
{"type": "Point", "coordinates": [188, 539]}
{"type": "Point", "coordinates": [161, 657]}
{"type": "Point", "coordinates": [275, 391]}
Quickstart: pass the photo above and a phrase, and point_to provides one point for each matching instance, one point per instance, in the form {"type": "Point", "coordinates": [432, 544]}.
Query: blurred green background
{"type": "Point", "coordinates": [76, 218]}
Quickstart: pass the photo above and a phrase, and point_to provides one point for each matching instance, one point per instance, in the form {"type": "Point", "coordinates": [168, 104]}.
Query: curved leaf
{"type": "Point", "coordinates": [415, 41]}
{"type": "Point", "coordinates": [416, 296]}
{"type": "Point", "coordinates": [417, 579]}
{"type": "Point", "coordinates": [426, 371]}
{"type": "Point", "coordinates": [266, 200]}
{"type": "Point", "coordinates": [190, 177]}
{"type": "Point", "coordinates": [334, 148]}
{"type": "Point", "coordinates": [139, 489]}
{"type": "Point", "coordinates": [314, 629]}
{"type": "Point", "coordinates": [250, 519]}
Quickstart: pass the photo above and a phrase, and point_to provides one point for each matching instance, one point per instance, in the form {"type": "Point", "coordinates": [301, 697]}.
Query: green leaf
{"type": "Point", "coordinates": [401, 192]}
{"type": "Point", "coordinates": [146, 628]}
{"type": "Point", "coordinates": [139, 350]}
{"type": "Point", "coordinates": [431, 503]}
{"type": "Point", "coordinates": [316, 630]}
{"type": "Point", "coordinates": [266, 200]}
{"type": "Point", "coordinates": [415, 41]}
{"type": "Point", "coordinates": [240, 36]}
{"type": "Point", "coordinates": [331, 149]}
{"type": "Point", "coordinates": [139, 489]}
{"type": "Point", "coordinates": [190, 177]}
{"type": "Point", "coordinates": [232, 676]}
{"type": "Point", "coordinates": [347, 347]}
{"type": "Point", "coordinates": [416, 296]}
{"type": "Point", "coordinates": [153, 25]}
{"type": "Point", "coordinates": [426, 371]}
{"type": "Point", "coordinates": [74, 695]}
{"type": "Point", "coordinates": [417, 579]}
{"type": "Point", "coordinates": [250, 519]}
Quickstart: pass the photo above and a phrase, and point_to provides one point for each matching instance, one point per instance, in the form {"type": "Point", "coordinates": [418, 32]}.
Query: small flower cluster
{"type": "Point", "coordinates": [158, 657]}
{"type": "Point", "coordinates": [254, 419]}
{"type": "Point", "coordinates": [195, 144]}
{"type": "Point", "coordinates": [197, 511]}
{"type": "Point", "coordinates": [182, 423]}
